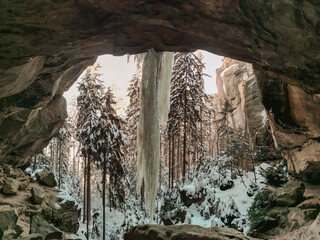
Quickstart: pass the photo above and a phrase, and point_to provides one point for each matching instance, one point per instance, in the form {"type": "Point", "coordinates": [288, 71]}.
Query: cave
{"type": "Point", "coordinates": [46, 45]}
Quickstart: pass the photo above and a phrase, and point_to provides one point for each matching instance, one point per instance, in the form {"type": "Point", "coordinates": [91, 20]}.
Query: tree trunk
{"type": "Point", "coordinates": [59, 160]}
{"type": "Point", "coordinates": [142, 194]}
{"type": "Point", "coordinates": [57, 156]}
{"type": "Point", "coordinates": [88, 196]}
{"type": "Point", "coordinates": [173, 162]}
{"type": "Point", "coordinates": [178, 158]}
{"type": "Point", "coordinates": [85, 190]}
{"type": "Point", "coordinates": [52, 155]}
{"type": "Point", "coordinates": [184, 138]}
{"type": "Point", "coordinates": [170, 153]}
{"type": "Point", "coordinates": [74, 158]}
{"type": "Point", "coordinates": [34, 163]}
{"type": "Point", "coordinates": [104, 198]}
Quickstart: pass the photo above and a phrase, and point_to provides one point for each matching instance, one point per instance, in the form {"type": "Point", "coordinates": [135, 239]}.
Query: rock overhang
{"type": "Point", "coordinates": [45, 45]}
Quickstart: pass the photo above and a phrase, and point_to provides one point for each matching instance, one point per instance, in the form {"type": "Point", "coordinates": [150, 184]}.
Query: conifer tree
{"type": "Point", "coordinates": [186, 103]}
{"type": "Point", "coordinates": [89, 110]}
{"type": "Point", "coordinates": [133, 112]}
{"type": "Point", "coordinates": [109, 142]}
{"type": "Point", "coordinates": [63, 140]}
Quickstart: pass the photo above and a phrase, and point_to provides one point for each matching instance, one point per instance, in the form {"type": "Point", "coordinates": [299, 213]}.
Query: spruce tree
{"type": "Point", "coordinates": [132, 118]}
{"type": "Point", "coordinates": [89, 110]}
{"type": "Point", "coordinates": [186, 103]}
{"type": "Point", "coordinates": [109, 141]}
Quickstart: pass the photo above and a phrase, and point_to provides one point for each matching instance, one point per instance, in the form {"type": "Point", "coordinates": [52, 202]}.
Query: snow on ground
{"type": "Point", "coordinates": [234, 202]}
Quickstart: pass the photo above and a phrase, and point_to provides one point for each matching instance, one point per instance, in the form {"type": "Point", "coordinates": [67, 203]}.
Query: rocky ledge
{"type": "Point", "coordinates": [31, 209]}
{"type": "Point", "coordinates": [183, 232]}
{"type": "Point", "coordinates": [44, 46]}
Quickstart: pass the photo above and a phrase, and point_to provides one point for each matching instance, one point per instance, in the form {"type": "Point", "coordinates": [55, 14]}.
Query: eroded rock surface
{"type": "Point", "coordinates": [44, 46]}
{"type": "Point", "coordinates": [34, 211]}
{"type": "Point", "coordinates": [237, 84]}
{"type": "Point", "coordinates": [183, 232]}
{"type": "Point", "coordinates": [287, 212]}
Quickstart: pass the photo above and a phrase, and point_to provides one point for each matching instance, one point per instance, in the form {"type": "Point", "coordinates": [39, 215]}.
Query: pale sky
{"type": "Point", "coordinates": [117, 73]}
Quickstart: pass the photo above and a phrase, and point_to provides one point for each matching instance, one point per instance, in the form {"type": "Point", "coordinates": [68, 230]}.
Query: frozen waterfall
{"type": "Point", "coordinates": [164, 88]}
{"type": "Point", "coordinates": [154, 99]}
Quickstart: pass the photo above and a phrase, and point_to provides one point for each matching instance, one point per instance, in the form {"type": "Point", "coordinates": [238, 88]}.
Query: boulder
{"type": "Point", "coordinates": [189, 199]}
{"type": "Point", "coordinates": [8, 170]}
{"type": "Point", "coordinates": [310, 203]}
{"type": "Point", "coordinates": [23, 185]}
{"type": "Point", "coordinates": [183, 232]}
{"type": "Point", "coordinates": [227, 185]}
{"type": "Point", "coordinates": [37, 195]}
{"type": "Point", "coordinates": [67, 218]}
{"type": "Point", "coordinates": [47, 178]}
{"type": "Point", "coordinates": [296, 218]}
{"type": "Point", "coordinates": [289, 195]}
{"type": "Point", "coordinates": [8, 217]}
{"type": "Point", "coordinates": [34, 236]}
{"type": "Point", "coordinates": [311, 214]}
{"type": "Point", "coordinates": [12, 233]}
{"type": "Point", "coordinates": [17, 173]}
{"type": "Point", "coordinates": [41, 226]}
{"type": "Point", "coordinates": [10, 186]}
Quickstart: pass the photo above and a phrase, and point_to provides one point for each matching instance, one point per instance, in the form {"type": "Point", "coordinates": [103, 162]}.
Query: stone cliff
{"type": "Point", "coordinates": [44, 46]}
{"type": "Point", "coordinates": [32, 209]}
{"type": "Point", "coordinates": [237, 84]}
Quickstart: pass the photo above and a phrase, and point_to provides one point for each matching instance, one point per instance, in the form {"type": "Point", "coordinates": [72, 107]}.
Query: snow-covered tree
{"type": "Point", "coordinates": [133, 112]}
{"type": "Point", "coordinates": [89, 111]}
{"type": "Point", "coordinates": [109, 142]}
{"type": "Point", "coordinates": [186, 104]}
{"type": "Point", "coordinates": [63, 140]}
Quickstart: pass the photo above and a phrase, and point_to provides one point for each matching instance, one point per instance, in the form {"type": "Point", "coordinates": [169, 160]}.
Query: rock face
{"type": "Point", "coordinates": [8, 218]}
{"type": "Point", "coordinates": [41, 226]}
{"type": "Point", "coordinates": [238, 88]}
{"type": "Point", "coordinates": [34, 211]}
{"type": "Point", "coordinates": [44, 46]}
{"type": "Point", "coordinates": [286, 212]}
{"type": "Point", "coordinates": [10, 186]}
{"type": "Point", "coordinates": [294, 117]}
{"type": "Point", "coordinates": [37, 195]}
{"type": "Point", "coordinates": [237, 83]}
{"type": "Point", "coordinates": [46, 178]}
{"type": "Point", "coordinates": [183, 232]}
{"type": "Point", "coordinates": [289, 195]}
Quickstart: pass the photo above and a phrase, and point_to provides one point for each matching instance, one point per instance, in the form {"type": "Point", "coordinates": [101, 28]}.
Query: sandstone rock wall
{"type": "Point", "coordinates": [45, 44]}
{"type": "Point", "coordinates": [28, 207]}
{"type": "Point", "coordinates": [237, 84]}
{"type": "Point", "coordinates": [294, 116]}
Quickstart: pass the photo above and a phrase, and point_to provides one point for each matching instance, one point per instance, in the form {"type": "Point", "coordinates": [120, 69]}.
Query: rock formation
{"type": "Point", "coordinates": [183, 232]}
{"type": "Point", "coordinates": [33, 210]}
{"type": "Point", "coordinates": [288, 212]}
{"type": "Point", "coordinates": [237, 84]}
{"type": "Point", "coordinates": [44, 46]}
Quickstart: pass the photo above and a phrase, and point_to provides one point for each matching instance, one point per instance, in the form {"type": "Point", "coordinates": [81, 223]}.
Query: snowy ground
{"type": "Point", "coordinates": [214, 210]}
{"type": "Point", "coordinates": [234, 201]}
{"type": "Point", "coordinates": [229, 202]}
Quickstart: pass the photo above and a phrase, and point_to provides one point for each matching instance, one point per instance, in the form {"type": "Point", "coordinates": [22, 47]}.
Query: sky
{"type": "Point", "coordinates": [117, 72]}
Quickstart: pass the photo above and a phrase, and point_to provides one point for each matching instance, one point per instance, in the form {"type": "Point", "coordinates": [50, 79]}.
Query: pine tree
{"type": "Point", "coordinates": [133, 112]}
{"type": "Point", "coordinates": [63, 140]}
{"type": "Point", "coordinates": [109, 141]}
{"type": "Point", "coordinates": [89, 110]}
{"type": "Point", "coordinates": [186, 103]}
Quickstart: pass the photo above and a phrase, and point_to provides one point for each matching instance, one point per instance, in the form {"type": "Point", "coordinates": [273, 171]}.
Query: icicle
{"type": "Point", "coordinates": [164, 88]}
{"type": "Point", "coordinates": [148, 130]}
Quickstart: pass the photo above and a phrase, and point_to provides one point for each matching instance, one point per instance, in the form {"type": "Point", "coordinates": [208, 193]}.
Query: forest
{"type": "Point", "coordinates": [175, 156]}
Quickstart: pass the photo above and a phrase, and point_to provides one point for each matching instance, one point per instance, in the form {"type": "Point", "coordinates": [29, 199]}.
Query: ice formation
{"type": "Point", "coordinates": [164, 88]}
{"type": "Point", "coordinates": [148, 130]}
{"type": "Point", "coordinates": [154, 99]}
